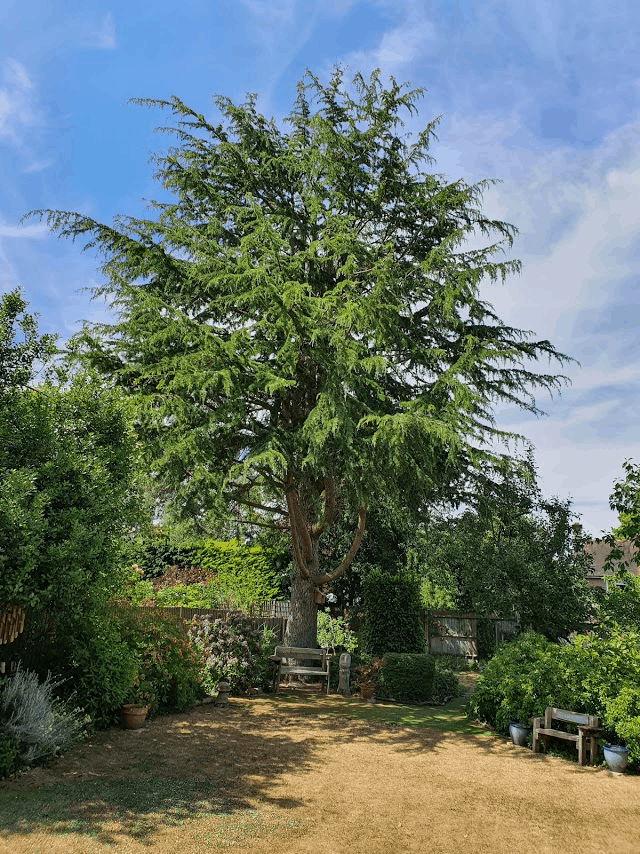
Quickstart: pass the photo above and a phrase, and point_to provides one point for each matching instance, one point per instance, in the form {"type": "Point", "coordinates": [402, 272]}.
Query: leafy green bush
{"type": "Point", "coordinates": [445, 687]}
{"type": "Point", "coordinates": [597, 675]}
{"type": "Point", "coordinates": [334, 633]}
{"type": "Point", "coordinates": [190, 596]}
{"type": "Point", "coordinates": [89, 654]}
{"type": "Point", "coordinates": [407, 677]}
{"type": "Point", "coordinates": [393, 615]}
{"type": "Point", "coordinates": [165, 657]}
{"type": "Point", "coordinates": [232, 650]}
{"type": "Point", "coordinates": [243, 572]}
{"type": "Point", "coordinates": [33, 719]}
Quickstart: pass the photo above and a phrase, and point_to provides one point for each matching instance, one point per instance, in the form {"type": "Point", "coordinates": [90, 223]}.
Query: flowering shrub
{"type": "Point", "coordinates": [34, 723]}
{"type": "Point", "coordinates": [232, 650]}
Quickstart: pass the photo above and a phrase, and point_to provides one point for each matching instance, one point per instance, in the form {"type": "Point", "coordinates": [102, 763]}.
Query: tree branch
{"type": "Point", "coordinates": [355, 545]}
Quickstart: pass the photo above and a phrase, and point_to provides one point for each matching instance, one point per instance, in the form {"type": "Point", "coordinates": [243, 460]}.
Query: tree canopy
{"type": "Point", "coordinates": [301, 323]}
{"type": "Point", "coordinates": [514, 553]}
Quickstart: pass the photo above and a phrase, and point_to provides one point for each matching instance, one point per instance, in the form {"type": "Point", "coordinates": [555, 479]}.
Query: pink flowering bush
{"type": "Point", "coordinates": [233, 651]}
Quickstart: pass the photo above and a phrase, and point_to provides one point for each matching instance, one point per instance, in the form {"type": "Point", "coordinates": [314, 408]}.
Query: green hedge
{"type": "Point", "coordinates": [407, 677]}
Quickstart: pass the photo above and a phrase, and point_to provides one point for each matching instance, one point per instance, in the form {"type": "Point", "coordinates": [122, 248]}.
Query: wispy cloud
{"type": "Point", "coordinates": [17, 109]}
{"type": "Point", "coordinates": [38, 231]}
{"type": "Point", "coordinates": [100, 35]}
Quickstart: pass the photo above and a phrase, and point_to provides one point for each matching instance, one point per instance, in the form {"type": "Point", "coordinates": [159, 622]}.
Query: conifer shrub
{"type": "Point", "coordinates": [393, 615]}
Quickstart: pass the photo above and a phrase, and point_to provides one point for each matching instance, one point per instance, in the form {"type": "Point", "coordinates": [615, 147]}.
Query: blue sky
{"type": "Point", "coordinates": [543, 94]}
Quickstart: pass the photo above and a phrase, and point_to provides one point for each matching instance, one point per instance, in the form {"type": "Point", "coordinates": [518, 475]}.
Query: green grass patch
{"type": "Point", "coordinates": [102, 808]}
{"type": "Point", "coordinates": [448, 718]}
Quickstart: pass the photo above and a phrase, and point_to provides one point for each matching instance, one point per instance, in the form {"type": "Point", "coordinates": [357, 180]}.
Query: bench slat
{"type": "Point", "coordinates": [303, 671]}
{"type": "Point", "coordinates": [558, 734]}
{"type": "Point", "coordinates": [299, 652]}
{"type": "Point", "coordinates": [569, 717]}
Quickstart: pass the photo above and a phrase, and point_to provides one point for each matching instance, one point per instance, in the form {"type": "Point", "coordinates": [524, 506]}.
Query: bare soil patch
{"type": "Point", "coordinates": [290, 773]}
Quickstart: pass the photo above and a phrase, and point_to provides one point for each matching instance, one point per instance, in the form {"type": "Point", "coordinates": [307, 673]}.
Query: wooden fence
{"type": "Point", "coordinates": [278, 624]}
{"type": "Point", "coordinates": [457, 634]}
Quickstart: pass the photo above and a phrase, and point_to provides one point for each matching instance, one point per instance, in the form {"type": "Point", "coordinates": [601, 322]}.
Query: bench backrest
{"type": "Point", "coordinates": [553, 714]}
{"type": "Point", "coordinates": [301, 652]}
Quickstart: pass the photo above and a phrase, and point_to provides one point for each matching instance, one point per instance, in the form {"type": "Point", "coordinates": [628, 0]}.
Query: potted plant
{"type": "Point", "coordinates": [137, 702]}
{"type": "Point", "coordinates": [369, 672]}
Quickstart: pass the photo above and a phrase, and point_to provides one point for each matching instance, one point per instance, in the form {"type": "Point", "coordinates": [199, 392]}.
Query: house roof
{"type": "Point", "coordinates": [599, 552]}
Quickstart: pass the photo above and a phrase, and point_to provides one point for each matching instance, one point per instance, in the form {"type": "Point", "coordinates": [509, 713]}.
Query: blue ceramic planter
{"type": "Point", "coordinates": [616, 757]}
{"type": "Point", "coordinates": [519, 733]}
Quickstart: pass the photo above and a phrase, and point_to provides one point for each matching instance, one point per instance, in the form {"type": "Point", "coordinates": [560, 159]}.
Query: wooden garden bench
{"type": "Point", "coordinates": [299, 653]}
{"type": "Point", "coordinates": [585, 740]}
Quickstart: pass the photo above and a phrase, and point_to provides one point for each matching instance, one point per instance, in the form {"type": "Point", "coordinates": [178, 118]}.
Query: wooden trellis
{"type": "Point", "coordinates": [11, 623]}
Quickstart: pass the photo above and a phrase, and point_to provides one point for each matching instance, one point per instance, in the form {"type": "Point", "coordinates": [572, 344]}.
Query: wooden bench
{"type": "Point", "coordinates": [586, 739]}
{"type": "Point", "coordinates": [301, 654]}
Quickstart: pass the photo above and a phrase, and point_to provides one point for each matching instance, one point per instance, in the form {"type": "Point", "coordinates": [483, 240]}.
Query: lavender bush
{"type": "Point", "coordinates": [31, 717]}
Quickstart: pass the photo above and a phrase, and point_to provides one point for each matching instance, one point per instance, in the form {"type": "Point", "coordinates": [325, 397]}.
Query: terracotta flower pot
{"type": "Point", "coordinates": [367, 692]}
{"type": "Point", "coordinates": [132, 715]}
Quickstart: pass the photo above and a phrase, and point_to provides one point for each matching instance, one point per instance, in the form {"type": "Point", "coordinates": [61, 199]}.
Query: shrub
{"type": "Point", "coordinates": [445, 687]}
{"type": "Point", "coordinates": [407, 677]}
{"type": "Point", "coordinates": [393, 616]}
{"type": "Point", "coordinates": [166, 659]}
{"type": "Point", "coordinates": [594, 675]}
{"type": "Point", "coordinates": [89, 654]}
{"type": "Point", "coordinates": [31, 717]}
{"type": "Point", "coordinates": [232, 650]}
{"type": "Point", "coordinates": [334, 633]}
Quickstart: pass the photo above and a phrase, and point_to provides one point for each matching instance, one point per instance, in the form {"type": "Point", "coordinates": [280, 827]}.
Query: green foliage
{"type": "Point", "coordinates": [242, 572]}
{"type": "Point", "coordinates": [167, 662]}
{"type": "Point", "coordinates": [589, 675]}
{"type": "Point", "coordinates": [620, 605]}
{"type": "Point", "coordinates": [407, 677]}
{"type": "Point", "coordinates": [298, 322]}
{"type": "Point", "coordinates": [334, 632]}
{"type": "Point", "coordinates": [34, 719]}
{"type": "Point", "coordinates": [9, 750]}
{"type": "Point", "coordinates": [89, 653]}
{"type": "Point", "coordinates": [189, 596]}
{"type": "Point", "coordinates": [445, 686]}
{"type": "Point", "coordinates": [232, 650]}
{"type": "Point", "coordinates": [21, 348]}
{"type": "Point", "coordinates": [511, 553]}
{"type": "Point", "coordinates": [393, 616]}
{"type": "Point", "coordinates": [67, 492]}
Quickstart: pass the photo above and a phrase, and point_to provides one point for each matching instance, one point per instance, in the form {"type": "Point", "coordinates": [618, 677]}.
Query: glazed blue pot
{"type": "Point", "coordinates": [519, 733]}
{"type": "Point", "coordinates": [616, 757]}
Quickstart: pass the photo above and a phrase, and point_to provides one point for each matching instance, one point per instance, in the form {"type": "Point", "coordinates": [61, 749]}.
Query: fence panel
{"type": "Point", "coordinates": [457, 634]}
{"type": "Point", "coordinates": [278, 624]}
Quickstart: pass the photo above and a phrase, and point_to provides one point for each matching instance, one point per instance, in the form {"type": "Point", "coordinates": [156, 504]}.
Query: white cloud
{"type": "Point", "coordinates": [38, 231]}
{"type": "Point", "coordinates": [101, 36]}
{"type": "Point", "coordinates": [414, 37]}
{"type": "Point", "coordinates": [16, 101]}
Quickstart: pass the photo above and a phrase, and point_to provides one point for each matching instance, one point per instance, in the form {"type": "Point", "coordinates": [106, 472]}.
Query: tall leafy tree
{"type": "Point", "coordinates": [514, 552]}
{"type": "Point", "coordinates": [300, 321]}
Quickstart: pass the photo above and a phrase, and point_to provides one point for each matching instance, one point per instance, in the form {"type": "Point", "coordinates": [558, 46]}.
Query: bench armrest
{"type": "Point", "coordinates": [275, 658]}
{"type": "Point", "coordinates": [537, 722]}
